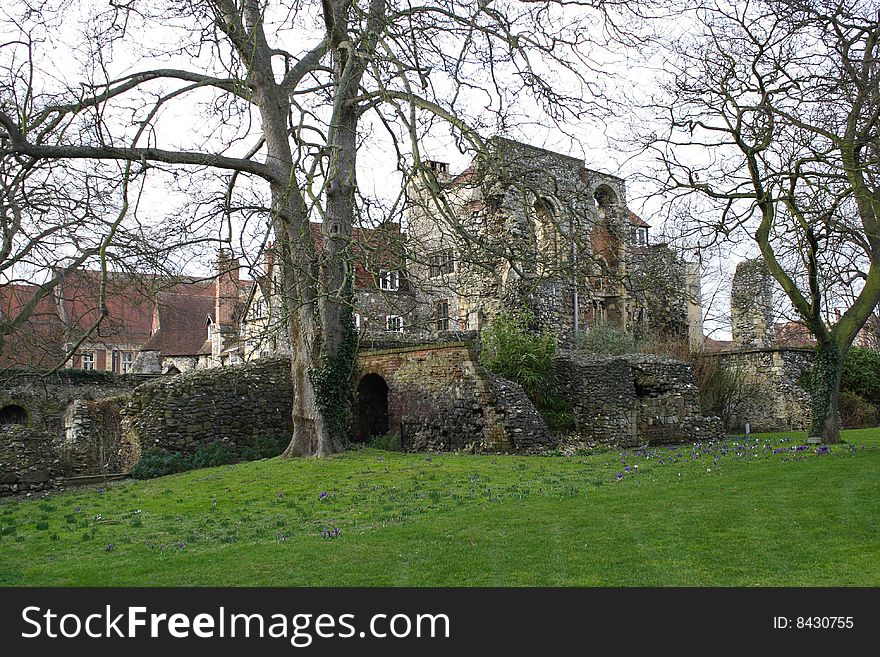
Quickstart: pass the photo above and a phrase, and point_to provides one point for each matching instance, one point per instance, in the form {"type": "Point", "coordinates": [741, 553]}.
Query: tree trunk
{"type": "Point", "coordinates": [825, 392]}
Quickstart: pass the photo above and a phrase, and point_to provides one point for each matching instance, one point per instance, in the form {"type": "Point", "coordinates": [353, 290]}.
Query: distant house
{"type": "Point", "coordinates": [151, 324]}
{"type": "Point", "coordinates": [384, 301]}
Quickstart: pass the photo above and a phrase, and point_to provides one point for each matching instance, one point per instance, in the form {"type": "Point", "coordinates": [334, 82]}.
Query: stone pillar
{"type": "Point", "coordinates": [751, 306]}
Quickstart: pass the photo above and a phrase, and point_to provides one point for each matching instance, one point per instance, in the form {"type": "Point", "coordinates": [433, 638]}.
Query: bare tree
{"type": "Point", "coordinates": [772, 112]}
{"type": "Point", "coordinates": [289, 92]}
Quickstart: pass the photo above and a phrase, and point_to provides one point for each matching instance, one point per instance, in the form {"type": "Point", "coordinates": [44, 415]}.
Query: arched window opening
{"type": "Point", "coordinates": [13, 414]}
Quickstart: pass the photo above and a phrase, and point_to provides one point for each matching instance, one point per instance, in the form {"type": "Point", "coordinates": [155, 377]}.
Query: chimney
{"type": "Point", "coordinates": [226, 289]}
{"type": "Point", "coordinates": [269, 259]}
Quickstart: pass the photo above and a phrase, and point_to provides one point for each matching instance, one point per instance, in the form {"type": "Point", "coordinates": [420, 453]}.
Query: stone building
{"type": "Point", "coordinates": [527, 228]}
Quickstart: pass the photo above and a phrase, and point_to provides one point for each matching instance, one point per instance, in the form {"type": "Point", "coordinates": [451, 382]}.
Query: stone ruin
{"type": "Point", "coordinates": [433, 396]}
{"type": "Point", "coordinates": [751, 305]}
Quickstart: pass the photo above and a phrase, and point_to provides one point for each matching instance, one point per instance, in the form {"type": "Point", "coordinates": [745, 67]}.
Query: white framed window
{"type": "Point", "coordinates": [88, 360]}
{"type": "Point", "coordinates": [126, 360]}
{"type": "Point", "coordinates": [638, 236]}
{"type": "Point", "coordinates": [390, 280]}
{"type": "Point", "coordinates": [394, 323]}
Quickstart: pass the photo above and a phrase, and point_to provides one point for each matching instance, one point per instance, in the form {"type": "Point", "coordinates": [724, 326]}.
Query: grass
{"type": "Point", "coordinates": [743, 513]}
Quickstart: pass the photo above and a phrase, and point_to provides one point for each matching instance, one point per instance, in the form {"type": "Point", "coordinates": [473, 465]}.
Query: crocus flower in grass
{"type": "Point", "coordinates": [324, 495]}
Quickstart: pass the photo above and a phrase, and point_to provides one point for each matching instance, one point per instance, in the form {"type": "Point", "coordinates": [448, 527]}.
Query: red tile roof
{"type": "Point", "coordinates": [793, 334]}
{"type": "Point", "coordinates": [636, 220]}
{"type": "Point", "coordinates": [39, 341]}
{"type": "Point", "coordinates": [182, 324]}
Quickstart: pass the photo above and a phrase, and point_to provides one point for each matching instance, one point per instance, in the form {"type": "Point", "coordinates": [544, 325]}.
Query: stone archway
{"type": "Point", "coordinates": [13, 414]}
{"type": "Point", "coordinates": [372, 408]}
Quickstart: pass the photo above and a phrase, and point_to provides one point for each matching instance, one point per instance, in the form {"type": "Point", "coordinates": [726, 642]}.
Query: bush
{"type": "Point", "coordinates": [861, 374]}
{"type": "Point", "coordinates": [606, 339]}
{"type": "Point", "coordinates": [157, 462]}
{"type": "Point", "coordinates": [264, 447]}
{"type": "Point", "coordinates": [857, 412]}
{"type": "Point", "coordinates": [723, 390]}
{"type": "Point", "coordinates": [389, 442]}
{"type": "Point", "coordinates": [213, 454]}
{"type": "Point", "coordinates": [513, 348]}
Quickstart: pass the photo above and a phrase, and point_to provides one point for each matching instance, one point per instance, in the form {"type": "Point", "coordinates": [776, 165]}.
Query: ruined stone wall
{"type": "Point", "coordinates": [28, 460]}
{"type": "Point", "coordinates": [69, 428]}
{"type": "Point", "coordinates": [234, 405]}
{"type": "Point", "coordinates": [769, 395]}
{"type": "Point", "coordinates": [659, 282]}
{"type": "Point", "coordinates": [439, 398]}
{"type": "Point", "coordinates": [634, 400]}
{"type": "Point", "coordinates": [751, 306]}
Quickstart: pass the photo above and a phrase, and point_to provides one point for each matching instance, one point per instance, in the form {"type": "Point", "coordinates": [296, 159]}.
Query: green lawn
{"type": "Point", "coordinates": [733, 513]}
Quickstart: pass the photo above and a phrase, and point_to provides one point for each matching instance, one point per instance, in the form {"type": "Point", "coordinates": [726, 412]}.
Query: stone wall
{"type": "Point", "coordinates": [770, 396]}
{"type": "Point", "coordinates": [28, 461]}
{"type": "Point", "coordinates": [440, 398]}
{"type": "Point", "coordinates": [234, 405]}
{"type": "Point", "coordinates": [751, 306]}
{"type": "Point", "coordinates": [68, 429]}
{"type": "Point", "coordinates": [634, 400]}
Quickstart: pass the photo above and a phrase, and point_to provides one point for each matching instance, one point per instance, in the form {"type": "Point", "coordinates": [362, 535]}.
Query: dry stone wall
{"type": "Point", "coordinates": [66, 430]}
{"type": "Point", "coordinates": [770, 396]}
{"type": "Point", "coordinates": [634, 400]}
{"type": "Point", "coordinates": [233, 405]}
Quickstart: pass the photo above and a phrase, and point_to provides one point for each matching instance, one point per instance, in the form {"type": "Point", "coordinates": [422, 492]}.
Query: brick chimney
{"type": "Point", "coordinates": [226, 289]}
{"type": "Point", "coordinates": [269, 259]}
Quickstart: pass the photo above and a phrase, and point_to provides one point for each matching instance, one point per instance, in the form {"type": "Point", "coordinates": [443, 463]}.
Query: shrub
{"type": "Point", "coordinates": [606, 339]}
{"type": "Point", "coordinates": [156, 462]}
{"type": "Point", "coordinates": [857, 412]}
{"type": "Point", "coordinates": [723, 390]}
{"type": "Point", "coordinates": [264, 447]}
{"type": "Point", "coordinates": [389, 442]}
{"type": "Point", "coordinates": [213, 454]}
{"type": "Point", "coordinates": [861, 374]}
{"type": "Point", "coordinates": [513, 348]}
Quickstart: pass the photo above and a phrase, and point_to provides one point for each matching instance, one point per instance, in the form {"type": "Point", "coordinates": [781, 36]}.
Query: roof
{"type": "Point", "coordinates": [38, 342]}
{"type": "Point", "coordinates": [181, 319]}
{"type": "Point", "coordinates": [712, 345]}
{"type": "Point", "coordinates": [793, 334]}
{"type": "Point", "coordinates": [636, 220]}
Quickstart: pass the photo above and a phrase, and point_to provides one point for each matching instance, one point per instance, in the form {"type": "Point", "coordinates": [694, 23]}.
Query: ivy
{"type": "Point", "coordinates": [823, 381]}
{"type": "Point", "coordinates": [332, 380]}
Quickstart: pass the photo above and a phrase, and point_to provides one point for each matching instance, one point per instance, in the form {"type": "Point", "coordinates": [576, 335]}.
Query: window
{"type": "Point", "coordinates": [390, 281]}
{"type": "Point", "coordinates": [441, 263]}
{"type": "Point", "coordinates": [394, 323]}
{"type": "Point", "coordinates": [441, 315]}
{"type": "Point", "coordinates": [638, 236]}
{"type": "Point", "coordinates": [122, 361]}
{"type": "Point", "coordinates": [88, 360]}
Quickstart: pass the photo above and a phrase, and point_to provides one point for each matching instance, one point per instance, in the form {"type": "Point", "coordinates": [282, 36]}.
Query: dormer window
{"type": "Point", "coordinates": [638, 236]}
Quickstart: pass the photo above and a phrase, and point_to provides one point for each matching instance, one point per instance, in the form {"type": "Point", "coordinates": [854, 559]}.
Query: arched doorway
{"type": "Point", "coordinates": [13, 414]}
{"type": "Point", "coordinates": [372, 408]}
